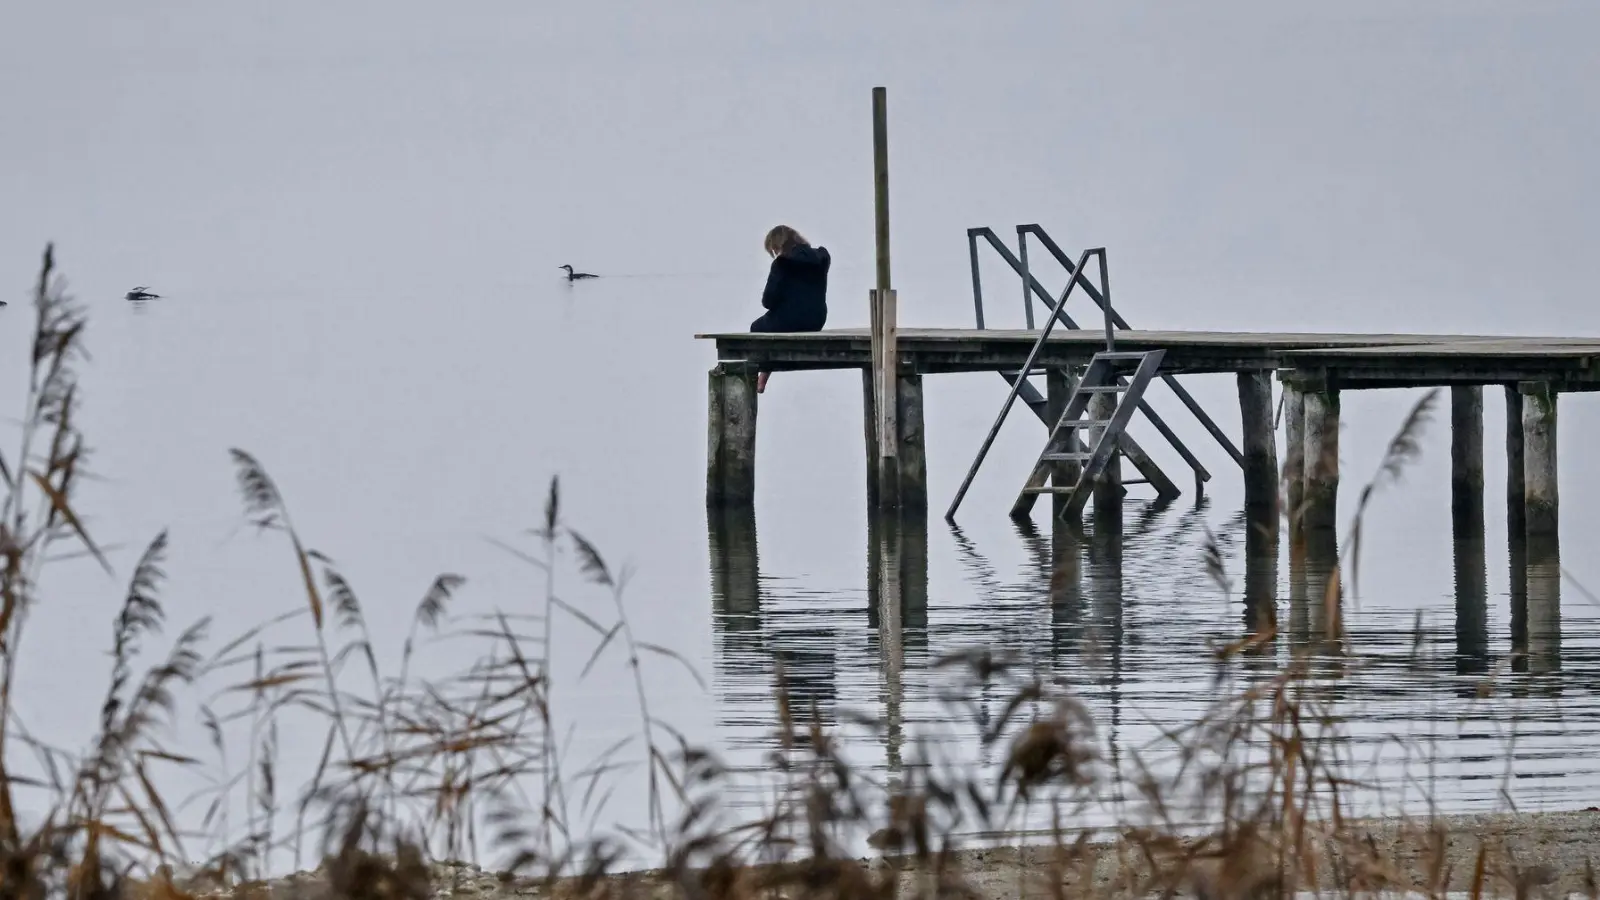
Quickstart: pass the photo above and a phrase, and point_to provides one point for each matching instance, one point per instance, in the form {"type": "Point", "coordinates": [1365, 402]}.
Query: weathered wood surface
{"type": "Point", "coordinates": [1542, 497]}
{"type": "Point", "coordinates": [1353, 360]}
{"type": "Point", "coordinates": [731, 437]}
{"type": "Point", "coordinates": [1321, 462]}
{"type": "Point", "coordinates": [1294, 456]}
{"type": "Point", "coordinates": [1260, 449]}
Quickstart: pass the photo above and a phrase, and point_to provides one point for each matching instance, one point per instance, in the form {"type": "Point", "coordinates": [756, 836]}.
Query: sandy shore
{"type": "Point", "coordinates": [1526, 854]}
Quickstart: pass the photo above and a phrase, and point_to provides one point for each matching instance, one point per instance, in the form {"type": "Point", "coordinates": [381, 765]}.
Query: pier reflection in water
{"type": "Point", "coordinates": [1130, 617]}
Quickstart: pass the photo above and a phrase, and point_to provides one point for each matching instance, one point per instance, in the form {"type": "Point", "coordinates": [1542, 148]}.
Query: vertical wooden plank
{"type": "Point", "coordinates": [885, 380]}
{"type": "Point", "coordinates": [889, 374]}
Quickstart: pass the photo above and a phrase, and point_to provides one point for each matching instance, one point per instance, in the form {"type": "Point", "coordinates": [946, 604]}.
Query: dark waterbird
{"type": "Point", "coordinates": [142, 293]}
{"type": "Point", "coordinates": [574, 276]}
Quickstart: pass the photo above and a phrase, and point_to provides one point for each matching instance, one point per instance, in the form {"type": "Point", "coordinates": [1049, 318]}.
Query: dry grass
{"type": "Point", "coordinates": [469, 766]}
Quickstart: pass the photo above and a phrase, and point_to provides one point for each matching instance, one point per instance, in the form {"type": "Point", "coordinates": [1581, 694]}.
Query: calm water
{"type": "Point", "coordinates": [356, 215]}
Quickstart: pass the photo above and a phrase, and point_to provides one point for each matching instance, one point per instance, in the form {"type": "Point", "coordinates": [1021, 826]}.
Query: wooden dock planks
{"type": "Point", "coordinates": [1356, 360]}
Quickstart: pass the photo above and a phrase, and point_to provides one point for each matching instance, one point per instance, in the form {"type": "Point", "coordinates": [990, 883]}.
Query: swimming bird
{"type": "Point", "coordinates": [574, 276]}
{"type": "Point", "coordinates": [142, 293]}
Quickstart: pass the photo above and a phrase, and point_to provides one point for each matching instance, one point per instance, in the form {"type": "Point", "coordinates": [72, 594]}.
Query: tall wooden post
{"type": "Point", "coordinates": [897, 465]}
{"type": "Point", "coordinates": [880, 180]}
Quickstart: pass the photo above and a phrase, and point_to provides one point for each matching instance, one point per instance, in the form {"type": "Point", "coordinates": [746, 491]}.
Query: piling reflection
{"type": "Point", "coordinates": [1261, 584]}
{"type": "Point", "coordinates": [897, 613]}
{"type": "Point", "coordinates": [1543, 605]}
{"type": "Point", "coordinates": [1317, 600]}
{"type": "Point", "coordinates": [897, 574]}
{"type": "Point", "coordinates": [735, 570]}
{"type": "Point", "coordinates": [1517, 547]}
{"type": "Point", "coordinates": [1126, 616]}
{"type": "Point", "coordinates": [1064, 586]}
{"type": "Point", "coordinates": [1472, 601]}
{"type": "Point", "coordinates": [749, 636]}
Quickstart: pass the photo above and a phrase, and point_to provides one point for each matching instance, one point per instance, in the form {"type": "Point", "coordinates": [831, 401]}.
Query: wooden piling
{"type": "Point", "coordinates": [1516, 490]}
{"type": "Point", "coordinates": [1260, 450]}
{"type": "Point", "coordinates": [1542, 500]}
{"type": "Point", "coordinates": [731, 436]}
{"type": "Point", "coordinates": [1058, 385]}
{"type": "Point", "coordinates": [909, 477]}
{"type": "Point", "coordinates": [1321, 455]}
{"type": "Point", "coordinates": [911, 454]}
{"type": "Point", "coordinates": [1294, 455]}
{"type": "Point", "coordinates": [1466, 458]}
{"type": "Point", "coordinates": [1108, 490]}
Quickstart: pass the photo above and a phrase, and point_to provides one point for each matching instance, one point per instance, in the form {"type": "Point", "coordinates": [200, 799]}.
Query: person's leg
{"type": "Point", "coordinates": [764, 325]}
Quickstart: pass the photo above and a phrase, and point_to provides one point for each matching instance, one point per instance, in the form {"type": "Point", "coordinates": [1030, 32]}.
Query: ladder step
{"type": "Point", "coordinates": [1048, 489]}
{"type": "Point", "coordinates": [1102, 389]}
{"type": "Point", "coordinates": [1085, 423]}
{"type": "Point", "coordinates": [1131, 354]}
{"type": "Point", "coordinates": [1065, 457]}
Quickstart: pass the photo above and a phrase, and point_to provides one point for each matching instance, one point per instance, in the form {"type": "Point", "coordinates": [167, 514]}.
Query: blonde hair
{"type": "Point", "coordinates": [782, 238]}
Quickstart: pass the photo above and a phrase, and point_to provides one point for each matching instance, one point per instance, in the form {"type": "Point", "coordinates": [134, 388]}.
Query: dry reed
{"type": "Point", "coordinates": [412, 769]}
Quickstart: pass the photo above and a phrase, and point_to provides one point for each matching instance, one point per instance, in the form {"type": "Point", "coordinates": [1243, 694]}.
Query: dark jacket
{"type": "Point", "coordinates": [797, 290]}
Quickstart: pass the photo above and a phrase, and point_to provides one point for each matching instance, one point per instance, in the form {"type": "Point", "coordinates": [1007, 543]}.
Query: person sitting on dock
{"type": "Point", "coordinates": [796, 296]}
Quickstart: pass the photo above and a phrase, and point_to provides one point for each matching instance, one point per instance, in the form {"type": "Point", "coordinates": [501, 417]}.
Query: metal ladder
{"type": "Point", "coordinates": [1019, 381]}
{"type": "Point", "coordinates": [1033, 291]}
{"type": "Point", "coordinates": [1065, 449]}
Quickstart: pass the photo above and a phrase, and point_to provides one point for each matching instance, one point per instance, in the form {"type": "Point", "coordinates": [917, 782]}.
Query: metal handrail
{"type": "Point", "coordinates": [1201, 474]}
{"type": "Point", "coordinates": [1104, 302]}
{"type": "Point", "coordinates": [1016, 387]}
{"type": "Point", "coordinates": [1033, 288]}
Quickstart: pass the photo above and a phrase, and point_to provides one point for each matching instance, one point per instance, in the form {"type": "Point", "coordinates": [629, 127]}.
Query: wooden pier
{"type": "Point", "coordinates": [1314, 370]}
